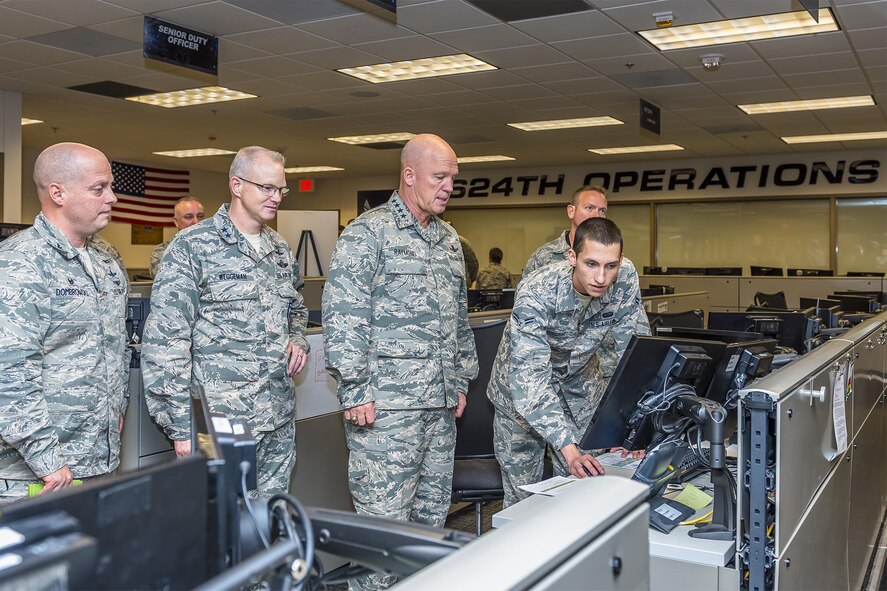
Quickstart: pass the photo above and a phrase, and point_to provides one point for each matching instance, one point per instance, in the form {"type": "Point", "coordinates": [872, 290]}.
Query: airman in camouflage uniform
{"type": "Point", "coordinates": [494, 275]}
{"type": "Point", "coordinates": [226, 313]}
{"type": "Point", "coordinates": [398, 342]}
{"type": "Point", "coordinates": [588, 201]}
{"type": "Point", "coordinates": [64, 367]}
{"type": "Point", "coordinates": [471, 262]}
{"type": "Point", "coordinates": [548, 376]}
{"type": "Point", "coordinates": [187, 212]}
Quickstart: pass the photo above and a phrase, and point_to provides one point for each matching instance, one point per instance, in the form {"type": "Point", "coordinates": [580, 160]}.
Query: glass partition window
{"type": "Point", "coordinates": [862, 235]}
{"type": "Point", "coordinates": [732, 234]}
{"type": "Point", "coordinates": [520, 231]}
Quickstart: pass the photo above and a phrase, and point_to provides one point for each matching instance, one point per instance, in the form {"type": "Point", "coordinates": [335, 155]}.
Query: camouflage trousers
{"type": "Point", "coordinates": [401, 467]}
{"type": "Point", "coordinates": [13, 490]}
{"type": "Point", "coordinates": [275, 459]}
{"type": "Point", "coordinates": [521, 456]}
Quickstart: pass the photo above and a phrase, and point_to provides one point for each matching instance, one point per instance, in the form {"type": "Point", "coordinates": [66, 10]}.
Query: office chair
{"type": "Point", "coordinates": [477, 478]}
{"type": "Point", "coordinates": [688, 319]}
{"type": "Point", "coordinates": [771, 300]}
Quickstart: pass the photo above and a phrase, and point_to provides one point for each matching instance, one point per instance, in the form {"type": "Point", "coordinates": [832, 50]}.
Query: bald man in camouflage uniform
{"type": "Point", "coordinates": [398, 342]}
{"type": "Point", "coordinates": [186, 212]}
{"type": "Point", "coordinates": [64, 367]}
{"type": "Point", "coordinates": [548, 376]}
{"type": "Point", "coordinates": [226, 313]}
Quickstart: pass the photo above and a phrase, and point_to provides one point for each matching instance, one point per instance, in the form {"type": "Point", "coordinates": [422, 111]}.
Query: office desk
{"type": "Point", "coordinates": [677, 561]}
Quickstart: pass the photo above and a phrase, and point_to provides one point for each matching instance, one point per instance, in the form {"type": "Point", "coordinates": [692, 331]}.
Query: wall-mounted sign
{"type": "Point", "coordinates": [181, 46]}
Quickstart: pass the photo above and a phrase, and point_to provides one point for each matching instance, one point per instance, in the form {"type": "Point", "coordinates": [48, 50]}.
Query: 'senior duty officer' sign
{"type": "Point", "coordinates": [181, 46]}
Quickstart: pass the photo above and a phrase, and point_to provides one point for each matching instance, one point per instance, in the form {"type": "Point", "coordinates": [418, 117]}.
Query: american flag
{"type": "Point", "coordinates": [146, 195]}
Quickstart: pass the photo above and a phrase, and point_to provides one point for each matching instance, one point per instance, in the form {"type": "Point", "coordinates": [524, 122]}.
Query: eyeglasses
{"type": "Point", "coordinates": [268, 190]}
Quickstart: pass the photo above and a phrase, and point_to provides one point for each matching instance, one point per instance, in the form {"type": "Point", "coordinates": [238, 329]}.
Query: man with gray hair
{"type": "Point", "coordinates": [226, 313]}
{"type": "Point", "coordinates": [186, 212]}
{"type": "Point", "coordinates": [63, 364]}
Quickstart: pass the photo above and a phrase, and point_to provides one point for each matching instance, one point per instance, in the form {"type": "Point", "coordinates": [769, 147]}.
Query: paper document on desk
{"type": "Point", "coordinates": [838, 410]}
{"type": "Point", "coordinates": [614, 458]}
{"type": "Point", "coordinates": [551, 487]}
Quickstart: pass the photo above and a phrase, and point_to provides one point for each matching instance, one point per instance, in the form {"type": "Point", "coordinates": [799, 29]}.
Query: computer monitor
{"type": "Point", "coordinates": [856, 303]}
{"type": "Point", "coordinates": [878, 296]}
{"type": "Point", "coordinates": [792, 329]}
{"type": "Point", "coordinates": [828, 310]}
{"type": "Point", "coordinates": [8, 229]}
{"type": "Point", "coordinates": [640, 372]}
{"type": "Point", "coordinates": [653, 271]}
{"type": "Point", "coordinates": [733, 271]}
{"type": "Point", "coordinates": [765, 271]}
{"type": "Point", "coordinates": [740, 361]}
{"type": "Point", "coordinates": [490, 299]}
{"type": "Point", "coordinates": [865, 273]}
{"type": "Point", "coordinates": [707, 334]}
{"type": "Point", "coordinates": [810, 273]}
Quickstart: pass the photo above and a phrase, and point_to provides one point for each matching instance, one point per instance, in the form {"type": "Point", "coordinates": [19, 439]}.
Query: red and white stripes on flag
{"type": "Point", "coordinates": [146, 195]}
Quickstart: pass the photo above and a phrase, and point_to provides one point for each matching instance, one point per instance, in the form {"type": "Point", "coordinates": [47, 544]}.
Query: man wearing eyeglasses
{"type": "Point", "coordinates": [187, 212]}
{"type": "Point", "coordinates": [226, 313]}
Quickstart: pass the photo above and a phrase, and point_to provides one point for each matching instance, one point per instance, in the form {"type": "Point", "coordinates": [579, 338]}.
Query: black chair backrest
{"type": "Point", "coordinates": [771, 300]}
{"type": "Point", "coordinates": [474, 430]}
{"type": "Point", "coordinates": [688, 319]}
{"type": "Point", "coordinates": [765, 271]}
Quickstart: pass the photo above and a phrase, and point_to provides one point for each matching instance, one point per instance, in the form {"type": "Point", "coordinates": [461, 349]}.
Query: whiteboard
{"type": "Point", "coordinates": [315, 388]}
{"type": "Point", "coordinates": [324, 227]}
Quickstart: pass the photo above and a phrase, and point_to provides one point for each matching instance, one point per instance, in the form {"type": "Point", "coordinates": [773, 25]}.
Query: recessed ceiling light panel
{"type": "Point", "coordinates": [565, 123]}
{"type": "Point", "coordinates": [356, 140]}
{"type": "Point", "coordinates": [430, 67]}
{"type": "Point", "coordinates": [835, 137]}
{"type": "Point", "coordinates": [195, 153]}
{"type": "Point", "coordinates": [26, 121]}
{"type": "Point", "coordinates": [491, 158]}
{"type": "Point", "coordinates": [636, 149]}
{"type": "Point", "coordinates": [191, 96]}
{"type": "Point", "coordinates": [305, 169]}
{"type": "Point", "coordinates": [770, 26]}
{"type": "Point", "coordinates": [808, 105]}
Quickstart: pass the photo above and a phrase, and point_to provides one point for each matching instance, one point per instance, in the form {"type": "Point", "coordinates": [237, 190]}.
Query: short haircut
{"type": "Point", "coordinates": [600, 230]}
{"type": "Point", "coordinates": [585, 188]}
{"type": "Point", "coordinates": [246, 156]}
{"type": "Point", "coordinates": [496, 254]}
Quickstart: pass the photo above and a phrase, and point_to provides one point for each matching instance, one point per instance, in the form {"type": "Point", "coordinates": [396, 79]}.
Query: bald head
{"type": "Point", "coordinates": [63, 164]}
{"type": "Point", "coordinates": [428, 168]}
{"type": "Point", "coordinates": [187, 212]}
{"type": "Point", "coordinates": [425, 145]}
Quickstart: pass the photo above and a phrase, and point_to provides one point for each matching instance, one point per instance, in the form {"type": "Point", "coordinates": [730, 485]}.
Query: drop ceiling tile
{"type": "Point", "coordinates": [19, 24]}
{"type": "Point", "coordinates": [618, 97]}
{"type": "Point", "coordinates": [801, 46]}
{"type": "Point", "coordinates": [281, 40]}
{"type": "Point", "coordinates": [8, 65]}
{"type": "Point", "coordinates": [425, 86]}
{"type": "Point", "coordinates": [320, 81]}
{"type": "Point", "coordinates": [871, 58]}
{"type": "Point", "coordinates": [524, 91]}
{"type": "Point", "coordinates": [458, 98]}
{"type": "Point", "coordinates": [484, 38]}
{"type": "Point", "coordinates": [869, 15]}
{"type": "Point", "coordinates": [580, 25]}
{"type": "Point", "coordinates": [824, 78]}
{"type": "Point", "coordinates": [266, 87]}
{"type": "Point", "coordinates": [444, 15]}
{"type": "Point", "coordinates": [335, 58]}
{"type": "Point", "coordinates": [769, 83]}
{"type": "Point", "coordinates": [734, 53]}
{"type": "Point", "coordinates": [814, 63]}
{"type": "Point", "coordinates": [358, 28]}
{"type": "Point", "coordinates": [583, 86]}
{"type": "Point", "coordinates": [518, 57]}
{"type": "Point", "coordinates": [554, 107]}
{"type": "Point", "coordinates": [131, 28]}
{"type": "Point", "coordinates": [35, 53]}
{"type": "Point", "coordinates": [604, 46]}
{"type": "Point", "coordinates": [133, 59]}
{"type": "Point", "coordinates": [217, 18]}
{"type": "Point", "coordinates": [639, 64]}
{"type": "Point", "coordinates": [86, 41]}
{"type": "Point", "coordinates": [869, 39]}
{"type": "Point", "coordinates": [834, 90]}
{"type": "Point", "coordinates": [292, 12]}
{"type": "Point", "coordinates": [78, 13]}
{"type": "Point", "coordinates": [154, 6]}
{"type": "Point", "coordinates": [489, 79]}
{"type": "Point", "coordinates": [555, 72]}
{"type": "Point", "coordinates": [59, 77]}
{"type": "Point", "coordinates": [760, 96]}
{"type": "Point", "coordinates": [406, 48]}
{"type": "Point", "coordinates": [102, 69]}
{"type": "Point", "coordinates": [231, 52]}
{"type": "Point", "coordinates": [730, 71]}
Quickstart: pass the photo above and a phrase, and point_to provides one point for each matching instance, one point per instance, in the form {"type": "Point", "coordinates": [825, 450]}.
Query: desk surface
{"type": "Point", "coordinates": [677, 545]}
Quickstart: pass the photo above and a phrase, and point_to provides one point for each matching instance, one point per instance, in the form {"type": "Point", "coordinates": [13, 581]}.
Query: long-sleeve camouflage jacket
{"type": "Point", "coordinates": [395, 319]}
{"type": "Point", "coordinates": [222, 316]}
{"type": "Point", "coordinates": [550, 252]}
{"type": "Point", "coordinates": [156, 257]}
{"type": "Point", "coordinates": [63, 365]}
{"type": "Point", "coordinates": [549, 374]}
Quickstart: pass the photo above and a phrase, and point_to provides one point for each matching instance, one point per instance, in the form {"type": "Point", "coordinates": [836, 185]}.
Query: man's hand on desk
{"type": "Point", "coordinates": [581, 465]}
{"type": "Point", "coordinates": [635, 455]}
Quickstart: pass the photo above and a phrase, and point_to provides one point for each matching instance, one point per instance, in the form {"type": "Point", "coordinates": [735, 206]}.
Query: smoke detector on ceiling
{"type": "Point", "coordinates": [712, 62]}
{"type": "Point", "coordinates": [664, 19]}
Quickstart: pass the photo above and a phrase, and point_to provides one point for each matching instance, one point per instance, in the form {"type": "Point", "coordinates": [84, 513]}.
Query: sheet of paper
{"type": "Point", "coordinates": [693, 497]}
{"type": "Point", "coordinates": [551, 487]}
{"type": "Point", "coordinates": [838, 409]}
{"type": "Point", "coordinates": [615, 458]}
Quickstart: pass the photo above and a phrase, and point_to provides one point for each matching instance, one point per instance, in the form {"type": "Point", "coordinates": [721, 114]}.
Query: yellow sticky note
{"type": "Point", "coordinates": [693, 497]}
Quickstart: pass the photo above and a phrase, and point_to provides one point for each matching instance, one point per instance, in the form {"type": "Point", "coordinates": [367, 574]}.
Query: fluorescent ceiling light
{"type": "Point", "coordinates": [565, 123]}
{"type": "Point", "coordinates": [491, 158]}
{"type": "Point", "coordinates": [636, 149]}
{"type": "Point", "coordinates": [770, 26]}
{"type": "Point", "coordinates": [842, 102]}
{"type": "Point", "coordinates": [191, 96]}
{"type": "Point", "coordinates": [355, 140]}
{"type": "Point", "coordinates": [195, 152]}
{"type": "Point", "coordinates": [26, 121]}
{"type": "Point", "coordinates": [298, 169]}
{"type": "Point", "coordinates": [429, 67]}
{"type": "Point", "coordinates": [835, 137]}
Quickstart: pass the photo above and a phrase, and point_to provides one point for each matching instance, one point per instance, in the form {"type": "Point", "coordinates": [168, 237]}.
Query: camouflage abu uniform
{"type": "Point", "coordinates": [493, 276]}
{"type": "Point", "coordinates": [471, 262]}
{"type": "Point", "coordinates": [396, 332]}
{"type": "Point", "coordinates": [156, 257]}
{"type": "Point", "coordinates": [547, 379]}
{"type": "Point", "coordinates": [222, 316]}
{"type": "Point", "coordinates": [64, 368]}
